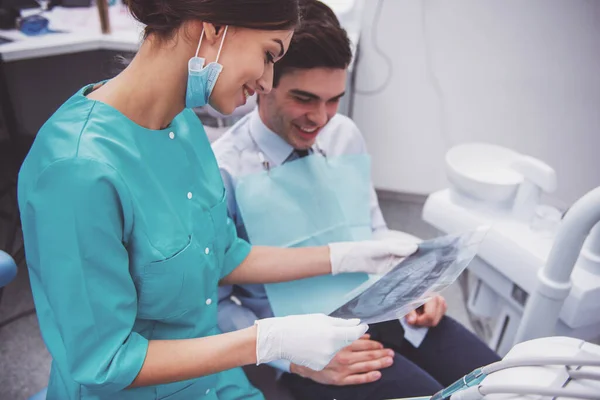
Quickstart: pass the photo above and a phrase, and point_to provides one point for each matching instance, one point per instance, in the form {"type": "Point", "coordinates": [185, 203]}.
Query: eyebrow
{"type": "Point", "coordinates": [278, 41]}
{"type": "Point", "coordinates": [302, 93]}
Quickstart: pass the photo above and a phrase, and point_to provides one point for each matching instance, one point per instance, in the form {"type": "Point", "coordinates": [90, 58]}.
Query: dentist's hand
{"type": "Point", "coordinates": [307, 340]}
{"type": "Point", "coordinates": [371, 256]}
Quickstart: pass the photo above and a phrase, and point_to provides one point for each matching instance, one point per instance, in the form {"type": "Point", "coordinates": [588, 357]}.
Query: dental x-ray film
{"type": "Point", "coordinates": [433, 267]}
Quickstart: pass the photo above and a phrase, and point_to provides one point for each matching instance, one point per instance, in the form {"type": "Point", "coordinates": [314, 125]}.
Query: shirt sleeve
{"type": "Point", "coordinates": [377, 222]}
{"type": "Point", "coordinates": [74, 221]}
{"type": "Point", "coordinates": [358, 146]}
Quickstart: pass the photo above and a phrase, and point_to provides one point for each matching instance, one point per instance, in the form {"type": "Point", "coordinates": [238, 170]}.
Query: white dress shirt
{"type": "Point", "coordinates": [237, 153]}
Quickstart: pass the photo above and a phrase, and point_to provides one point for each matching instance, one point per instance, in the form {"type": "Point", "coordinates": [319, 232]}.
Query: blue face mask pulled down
{"type": "Point", "coordinates": [201, 79]}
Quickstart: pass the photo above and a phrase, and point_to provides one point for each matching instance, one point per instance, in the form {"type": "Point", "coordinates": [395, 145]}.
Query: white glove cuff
{"type": "Point", "coordinates": [268, 343]}
{"type": "Point", "coordinates": [337, 252]}
{"type": "Point", "coordinates": [258, 359]}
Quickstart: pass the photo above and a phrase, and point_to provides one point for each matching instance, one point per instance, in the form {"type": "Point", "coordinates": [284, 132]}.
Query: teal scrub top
{"type": "Point", "coordinates": [126, 238]}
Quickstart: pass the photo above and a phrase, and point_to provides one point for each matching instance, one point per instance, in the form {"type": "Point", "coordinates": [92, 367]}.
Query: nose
{"type": "Point", "coordinates": [264, 84]}
{"type": "Point", "coordinates": [319, 114]}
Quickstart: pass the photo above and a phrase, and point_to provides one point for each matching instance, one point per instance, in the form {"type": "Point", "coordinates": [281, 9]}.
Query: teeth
{"type": "Point", "coordinates": [246, 93]}
{"type": "Point", "coordinates": [308, 130]}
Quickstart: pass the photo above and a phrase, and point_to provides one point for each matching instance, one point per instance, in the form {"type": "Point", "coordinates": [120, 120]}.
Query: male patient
{"type": "Point", "coordinates": [298, 119]}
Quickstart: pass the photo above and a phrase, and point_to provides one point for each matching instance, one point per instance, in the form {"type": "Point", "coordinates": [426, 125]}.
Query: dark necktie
{"type": "Point", "coordinates": [301, 153]}
{"type": "Point", "coordinates": [296, 154]}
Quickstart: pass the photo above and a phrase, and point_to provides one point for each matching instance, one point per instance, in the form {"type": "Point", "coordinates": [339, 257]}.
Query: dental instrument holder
{"type": "Point", "coordinates": [538, 177]}
{"type": "Point", "coordinates": [505, 276]}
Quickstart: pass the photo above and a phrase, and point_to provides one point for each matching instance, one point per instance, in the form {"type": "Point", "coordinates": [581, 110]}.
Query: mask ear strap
{"type": "Point", "coordinates": [200, 42]}
{"type": "Point", "coordinates": [222, 41]}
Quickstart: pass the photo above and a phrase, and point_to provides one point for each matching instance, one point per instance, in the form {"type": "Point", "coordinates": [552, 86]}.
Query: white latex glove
{"type": "Point", "coordinates": [309, 340]}
{"type": "Point", "coordinates": [370, 256]}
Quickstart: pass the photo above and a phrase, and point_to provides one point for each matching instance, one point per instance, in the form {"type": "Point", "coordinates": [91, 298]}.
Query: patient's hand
{"type": "Point", "coordinates": [353, 365]}
{"type": "Point", "coordinates": [430, 314]}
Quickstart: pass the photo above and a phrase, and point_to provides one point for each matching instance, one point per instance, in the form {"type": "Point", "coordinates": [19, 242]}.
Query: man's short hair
{"type": "Point", "coordinates": [318, 42]}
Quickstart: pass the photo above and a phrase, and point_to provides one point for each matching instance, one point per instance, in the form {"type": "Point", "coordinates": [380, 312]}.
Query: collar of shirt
{"type": "Point", "coordinates": [275, 149]}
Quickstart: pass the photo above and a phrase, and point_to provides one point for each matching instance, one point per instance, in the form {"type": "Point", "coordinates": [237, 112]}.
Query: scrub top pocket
{"type": "Point", "coordinates": [161, 284]}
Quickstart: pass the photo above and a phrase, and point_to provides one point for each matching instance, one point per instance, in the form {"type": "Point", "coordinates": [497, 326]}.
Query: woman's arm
{"type": "Point", "coordinates": [273, 264]}
{"type": "Point", "coordinates": [296, 338]}
{"type": "Point", "coordinates": [176, 360]}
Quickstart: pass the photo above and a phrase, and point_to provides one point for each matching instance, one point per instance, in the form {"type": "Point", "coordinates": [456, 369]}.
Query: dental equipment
{"type": "Point", "coordinates": [536, 274]}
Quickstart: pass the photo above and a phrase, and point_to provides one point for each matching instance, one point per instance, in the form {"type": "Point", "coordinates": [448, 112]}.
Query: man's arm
{"type": "Point", "coordinates": [356, 364]}
{"type": "Point", "coordinates": [377, 222]}
{"type": "Point", "coordinates": [231, 315]}
{"type": "Point", "coordinates": [357, 145]}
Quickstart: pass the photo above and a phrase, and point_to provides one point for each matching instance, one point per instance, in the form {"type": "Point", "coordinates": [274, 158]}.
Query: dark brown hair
{"type": "Point", "coordinates": [163, 17]}
{"type": "Point", "coordinates": [319, 41]}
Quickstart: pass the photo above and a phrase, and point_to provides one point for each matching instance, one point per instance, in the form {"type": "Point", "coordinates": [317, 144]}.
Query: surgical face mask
{"type": "Point", "coordinates": [201, 79]}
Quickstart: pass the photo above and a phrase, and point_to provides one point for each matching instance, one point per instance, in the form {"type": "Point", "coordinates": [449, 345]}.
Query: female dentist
{"type": "Point", "coordinates": [125, 222]}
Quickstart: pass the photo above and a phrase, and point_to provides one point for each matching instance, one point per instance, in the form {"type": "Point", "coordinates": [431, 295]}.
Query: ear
{"type": "Point", "coordinates": [213, 33]}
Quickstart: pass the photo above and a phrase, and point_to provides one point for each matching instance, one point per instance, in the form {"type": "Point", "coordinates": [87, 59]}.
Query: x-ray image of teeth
{"type": "Point", "coordinates": [436, 264]}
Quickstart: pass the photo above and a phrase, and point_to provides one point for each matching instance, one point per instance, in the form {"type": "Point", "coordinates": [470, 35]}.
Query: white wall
{"type": "Point", "coordinates": [519, 73]}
